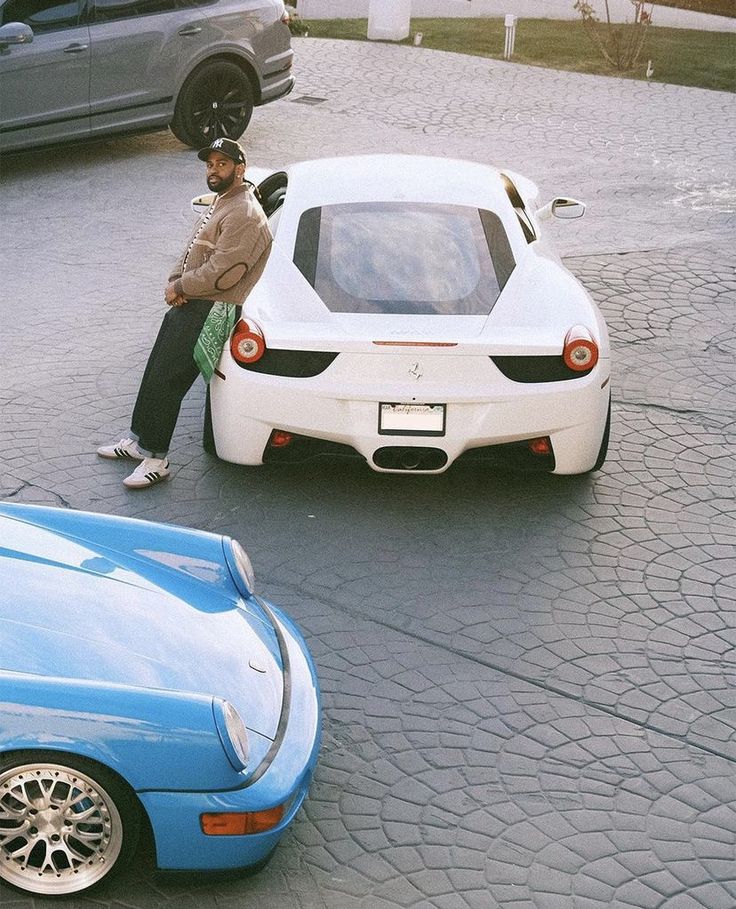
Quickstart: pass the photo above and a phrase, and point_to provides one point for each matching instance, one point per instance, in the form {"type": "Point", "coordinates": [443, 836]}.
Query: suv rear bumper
{"type": "Point", "coordinates": [277, 78]}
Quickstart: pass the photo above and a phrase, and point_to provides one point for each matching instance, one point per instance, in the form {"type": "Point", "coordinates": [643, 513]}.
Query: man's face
{"type": "Point", "coordinates": [221, 172]}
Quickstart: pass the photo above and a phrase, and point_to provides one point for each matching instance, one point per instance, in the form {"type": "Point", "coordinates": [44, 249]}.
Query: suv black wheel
{"type": "Point", "coordinates": [216, 101]}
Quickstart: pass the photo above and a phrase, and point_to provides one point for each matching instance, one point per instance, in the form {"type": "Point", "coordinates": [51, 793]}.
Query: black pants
{"type": "Point", "coordinates": [168, 376]}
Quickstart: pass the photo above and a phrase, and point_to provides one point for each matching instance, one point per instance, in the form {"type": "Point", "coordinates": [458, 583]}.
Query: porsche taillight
{"type": "Point", "coordinates": [247, 344]}
{"type": "Point", "coordinates": [580, 352]}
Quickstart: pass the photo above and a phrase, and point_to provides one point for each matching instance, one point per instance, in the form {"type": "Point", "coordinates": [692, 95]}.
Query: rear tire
{"type": "Point", "coordinates": [603, 450]}
{"type": "Point", "coordinates": [216, 101]}
{"type": "Point", "coordinates": [208, 435]}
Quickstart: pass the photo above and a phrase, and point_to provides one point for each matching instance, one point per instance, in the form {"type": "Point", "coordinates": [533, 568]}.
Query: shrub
{"type": "Point", "coordinates": [620, 44]}
{"type": "Point", "coordinates": [297, 26]}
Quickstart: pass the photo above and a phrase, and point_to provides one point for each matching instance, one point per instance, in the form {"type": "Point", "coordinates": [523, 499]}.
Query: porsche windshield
{"type": "Point", "coordinates": [408, 258]}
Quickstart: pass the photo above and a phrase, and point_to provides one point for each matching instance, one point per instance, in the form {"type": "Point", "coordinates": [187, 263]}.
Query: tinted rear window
{"type": "Point", "coordinates": [404, 258]}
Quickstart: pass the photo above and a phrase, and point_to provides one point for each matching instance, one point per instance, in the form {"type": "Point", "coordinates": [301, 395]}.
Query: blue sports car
{"type": "Point", "coordinates": [144, 687]}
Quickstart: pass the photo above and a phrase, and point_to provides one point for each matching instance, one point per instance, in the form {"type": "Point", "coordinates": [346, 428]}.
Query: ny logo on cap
{"type": "Point", "coordinates": [217, 143]}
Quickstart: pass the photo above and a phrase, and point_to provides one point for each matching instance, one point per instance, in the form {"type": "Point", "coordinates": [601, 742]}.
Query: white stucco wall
{"type": "Point", "coordinates": [621, 11]}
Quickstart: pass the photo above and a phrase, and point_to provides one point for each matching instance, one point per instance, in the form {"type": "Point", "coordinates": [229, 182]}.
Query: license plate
{"type": "Point", "coordinates": [411, 419]}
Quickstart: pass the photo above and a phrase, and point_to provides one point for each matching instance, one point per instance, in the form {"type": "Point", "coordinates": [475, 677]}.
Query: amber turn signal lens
{"type": "Point", "coordinates": [240, 823]}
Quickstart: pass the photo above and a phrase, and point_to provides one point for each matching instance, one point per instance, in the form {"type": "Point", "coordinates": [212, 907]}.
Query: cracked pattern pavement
{"type": "Point", "coordinates": [529, 682]}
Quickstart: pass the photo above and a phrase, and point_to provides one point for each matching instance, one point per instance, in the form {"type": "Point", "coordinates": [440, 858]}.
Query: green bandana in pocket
{"type": "Point", "coordinates": [213, 337]}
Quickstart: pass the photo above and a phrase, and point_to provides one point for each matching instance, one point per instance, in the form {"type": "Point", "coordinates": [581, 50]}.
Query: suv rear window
{"type": "Point", "coordinates": [400, 258]}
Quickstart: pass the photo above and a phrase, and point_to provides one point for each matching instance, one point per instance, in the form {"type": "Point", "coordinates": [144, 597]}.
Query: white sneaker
{"type": "Point", "coordinates": [125, 448]}
{"type": "Point", "coordinates": [149, 472]}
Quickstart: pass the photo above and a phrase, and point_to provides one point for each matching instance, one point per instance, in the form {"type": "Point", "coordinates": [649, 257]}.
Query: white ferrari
{"type": "Point", "coordinates": [412, 313]}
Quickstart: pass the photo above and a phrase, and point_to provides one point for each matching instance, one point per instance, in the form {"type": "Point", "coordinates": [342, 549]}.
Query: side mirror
{"type": "Point", "coordinates": [15, 33]}
{"type": "Point", "coordinates": [200, 204]}
{"type": "Point", "coordinates": [562, 208]}
{"type": "Point", "coordinates": [568, 208]}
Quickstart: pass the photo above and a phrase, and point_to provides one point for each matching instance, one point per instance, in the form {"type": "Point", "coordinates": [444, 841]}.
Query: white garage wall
{"type": "Point", "coordinates": [538, 9]}
{"type": "Point", "coordinates": [621, 11]}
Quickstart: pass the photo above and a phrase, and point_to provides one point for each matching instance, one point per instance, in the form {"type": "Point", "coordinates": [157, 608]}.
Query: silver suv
{"type": "Point", "coordinates": [76, 68]}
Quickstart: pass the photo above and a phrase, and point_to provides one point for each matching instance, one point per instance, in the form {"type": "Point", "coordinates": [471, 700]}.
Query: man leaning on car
{"type": "Point", "coordinates": [222, 262]}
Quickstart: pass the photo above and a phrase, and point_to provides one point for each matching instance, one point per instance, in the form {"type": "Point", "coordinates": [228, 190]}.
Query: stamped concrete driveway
{"type": "Point", "coordinates": [529, 682]}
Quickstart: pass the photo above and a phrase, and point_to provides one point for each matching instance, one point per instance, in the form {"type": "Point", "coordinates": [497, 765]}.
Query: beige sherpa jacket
{"type": "Point", "coordinates": [227, 252]}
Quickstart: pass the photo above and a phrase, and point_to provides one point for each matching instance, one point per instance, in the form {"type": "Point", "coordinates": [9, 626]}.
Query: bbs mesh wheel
{"type": "Point", "coordinates": [65, 823]}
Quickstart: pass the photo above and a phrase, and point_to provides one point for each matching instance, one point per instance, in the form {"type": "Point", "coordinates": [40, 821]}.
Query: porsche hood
{"type": "Point", "coordinates": [155, 609]}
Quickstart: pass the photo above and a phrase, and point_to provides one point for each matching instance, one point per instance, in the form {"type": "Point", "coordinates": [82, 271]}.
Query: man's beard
{"type": "Point", "coordinates": [220, 184]}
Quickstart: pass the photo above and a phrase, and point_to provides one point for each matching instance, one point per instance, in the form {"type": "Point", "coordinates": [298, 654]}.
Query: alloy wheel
{"type": "Point", "coordinates": [60, 830]}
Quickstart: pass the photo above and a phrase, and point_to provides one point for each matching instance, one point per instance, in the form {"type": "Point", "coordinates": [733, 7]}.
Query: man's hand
{"type": "Point", "coordinates": [172, 297]}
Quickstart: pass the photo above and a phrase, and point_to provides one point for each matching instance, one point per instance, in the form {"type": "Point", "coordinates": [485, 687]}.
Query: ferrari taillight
{"type": "Point", "coordinates": [540, 446]}
{"type": "Point", "coordinates": [580, 352]}
{"type": "Point", "coordinates": [247, 344]}
{"type": "Point", "coordinates": [280, 439]}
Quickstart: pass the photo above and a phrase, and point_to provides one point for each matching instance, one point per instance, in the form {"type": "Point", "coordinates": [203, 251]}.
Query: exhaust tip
{"type": "Point", "coordinates": [409, 457]}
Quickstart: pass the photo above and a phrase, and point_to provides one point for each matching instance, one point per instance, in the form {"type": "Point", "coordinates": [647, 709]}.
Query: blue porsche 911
{"type": "Point", "coordinates": [144, 686]}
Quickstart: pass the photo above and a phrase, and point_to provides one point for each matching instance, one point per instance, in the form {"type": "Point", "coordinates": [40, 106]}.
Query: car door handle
{"type": "Point", "coordinates": [190, 30]}
{"type": "Point", "coordinates": [76, 48]}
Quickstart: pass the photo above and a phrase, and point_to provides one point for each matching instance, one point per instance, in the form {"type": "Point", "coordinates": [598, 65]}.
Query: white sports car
{"type": "Point", "coordinates": [412, 313]}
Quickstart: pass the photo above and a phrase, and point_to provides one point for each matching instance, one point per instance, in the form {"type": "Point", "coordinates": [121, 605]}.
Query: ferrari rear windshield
{"type": "Point", "coordinates": [389, 257]}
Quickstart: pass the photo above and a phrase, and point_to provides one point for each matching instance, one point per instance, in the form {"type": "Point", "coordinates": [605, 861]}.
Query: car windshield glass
{"type": "Point", "coordinates": [404, 258]}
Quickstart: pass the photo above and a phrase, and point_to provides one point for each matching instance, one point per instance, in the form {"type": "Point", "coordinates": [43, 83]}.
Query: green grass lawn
{"type": "Point", "coordinates": [679, 56]}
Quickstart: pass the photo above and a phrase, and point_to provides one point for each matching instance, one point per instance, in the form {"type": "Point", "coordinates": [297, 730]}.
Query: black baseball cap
{"type": "Point", "coordinates": [228, 147]}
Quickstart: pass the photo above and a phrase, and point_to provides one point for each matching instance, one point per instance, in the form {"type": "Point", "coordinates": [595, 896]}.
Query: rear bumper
{"type": "Point", "coordinates": [175, 816]}
{"type": "Point", "coordinates": [277, 80]}
{"type": "Point", "coordinates": [276, 90]}
{"type": "Point", "coordinates": [483, 408]}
